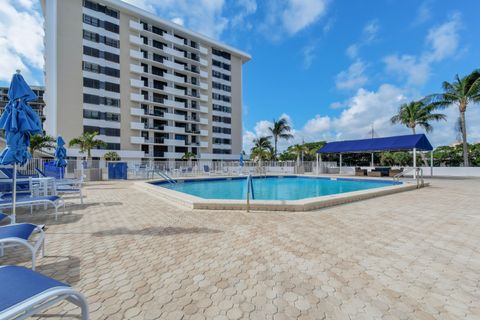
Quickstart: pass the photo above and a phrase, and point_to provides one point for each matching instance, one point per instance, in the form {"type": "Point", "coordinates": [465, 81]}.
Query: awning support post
{"type": "Point", "coordinates": [317, 163]}
{"type": "Point", "coordinates": [372, 164]}
{"type": "Point", "coordinates": [414, 163]}
{"type": "Point", "coordinates": [340, 163]}
{"type": "Point", "coordinates": [431, 163]}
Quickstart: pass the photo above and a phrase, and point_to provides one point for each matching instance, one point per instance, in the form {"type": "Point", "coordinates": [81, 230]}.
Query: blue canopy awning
{"type": "Point", "coordinates": [396, 143]}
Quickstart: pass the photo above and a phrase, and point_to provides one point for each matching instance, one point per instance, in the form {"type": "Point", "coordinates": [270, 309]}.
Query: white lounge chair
{"type": "Point", "coordinates": [18, 234]}
{"type": "Point", "coordinates": [24, 293]}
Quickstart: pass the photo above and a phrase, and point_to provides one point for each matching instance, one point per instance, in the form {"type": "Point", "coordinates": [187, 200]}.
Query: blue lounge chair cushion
{"type": "Point", "coordinates": [18, 230]}
{"type": "Point", "coordinates": [28, 199]}
{"type": "Point", "coordinates": [19, 194]}
{"type": "Point", "coordinates": [20, 284]}
{"type": "Point", "coordinates": [68, 190]}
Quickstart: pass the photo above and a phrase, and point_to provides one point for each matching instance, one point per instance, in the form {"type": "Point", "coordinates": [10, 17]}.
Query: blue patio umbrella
{"type": "Point", "coordinates": [241, 160]}
{"type": "Point", "coordinates": [60, 155]}
{"type": "Point", "coordinates": [19, 121]}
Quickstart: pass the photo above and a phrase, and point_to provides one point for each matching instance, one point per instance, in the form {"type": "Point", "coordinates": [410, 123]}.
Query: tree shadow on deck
{"type": "Point", "coordinates": [155, 231]}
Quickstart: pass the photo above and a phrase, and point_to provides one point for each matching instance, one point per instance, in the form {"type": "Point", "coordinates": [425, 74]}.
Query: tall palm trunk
{"type": "Point", "coordinates": [464, 138]}
{"type": "Point", "coordinates": [275, 151]}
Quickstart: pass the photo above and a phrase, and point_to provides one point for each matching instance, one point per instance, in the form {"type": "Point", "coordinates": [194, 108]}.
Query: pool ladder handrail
{"type": "Point", "coordinates": [249, 187]}
{"type": "Point", "coordinates": [164, 175]}
{"type": "Point", "coordinates": [418, 176]}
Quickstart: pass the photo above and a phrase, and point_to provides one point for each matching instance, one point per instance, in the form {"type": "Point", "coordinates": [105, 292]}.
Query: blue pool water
{"type": "Point", "coordinates": [272, 188]}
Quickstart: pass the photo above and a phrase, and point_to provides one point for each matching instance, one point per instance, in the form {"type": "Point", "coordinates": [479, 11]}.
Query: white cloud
{"type": "Point", "coordinates": [245, 8]}
{"type": "Point", "coordinates": [370, 31]}
{"type": "Point", "coordinates": [178, 21]}
{"type": "Point", "coordinates": [352, 51]}
{"type": "Point", "coordinates": [203, 16]}
{"type": "Point", "coordinates": [444, 39]}
{"type": "Point", "coordinates": [442, 42]}
{"type": "Point", "coordinates": [290, 17]}
{"type": "Point", "coordinates": [369, 35]}
{"type": "Point", "coordinates": [308, 53]}
{"type": "Point", "coordinates": [423, 13]}
{"type": "Point", "coordinates": [409, 68]}
{"type": "Point", "coordinates": [21, 40]}
{"type": "Point", "coordinates": [316, 125]}
{"type": "Point", "coordinates": [301, 13]}
{"type": "Point", "coordinates": [353, 77]}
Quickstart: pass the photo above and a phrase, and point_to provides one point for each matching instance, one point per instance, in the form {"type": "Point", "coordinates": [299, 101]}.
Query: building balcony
{"type": "Point", "coordinates": [135, 40]}
{"type": "Point", "coordinates": [174, 117]}
{"type": "Point", "coordinates": [203, 85]}
{"type": "Point", "coordinates": [136, 97]}
{"type": "Point", "coordinates": [173, 155]}
{"type": "Point", "coordinates": [137, 140]}
{"type": "Point", "coordinates": [174, 104]}
{"type": "Point", "coordinates": [173, 39]}
{"type": "Point", "coordinates": [203, 62]}
{"type": "Point", "coordinates": [174, 78]}
{"type": "Point", "coordinates": [174, 52]}
{"type": "Point", "coordinates": [174, 142]}
{"type": "Point", "coordinates": [135, 25]}
{"type": "Point", "coordinates": [136, 68]}
{"type": "Point", "coordinates": [204, 133]}
{"type": "Point", "coordinates": [203, 120]}
{"type": "Point", "coordinates": [136, 54]}
{"type": "Point", "coordinates": [174, 91]}
{"type": "Point", "coordinates": [136, 83]}
{"type": "Point", "coordinates": [137, 112]}
{"type": "Point", "coordinates": [173, 65]}
{"type": "Point", "coordinates": [174, 129]}
{"type": "Point", "coordinates": [203, 109]}
{"type": "Point", "coordinates": [202, 49]}
{"type": "Point", "coordinates": [204, 97]}
{"type": "Point", "coordinates": [203, 74]}
{"type": "Point", "coordinates": [137, 125]}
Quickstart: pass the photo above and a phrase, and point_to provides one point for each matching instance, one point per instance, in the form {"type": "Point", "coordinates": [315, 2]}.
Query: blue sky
{"type": "Point", "coordinates": [334, 68]}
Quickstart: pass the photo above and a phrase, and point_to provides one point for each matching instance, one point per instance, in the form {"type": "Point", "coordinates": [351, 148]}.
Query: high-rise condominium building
{"type": "Point", "coordinates": [37, 105]}
{"type": "Point", "coordinates": [152, 89]}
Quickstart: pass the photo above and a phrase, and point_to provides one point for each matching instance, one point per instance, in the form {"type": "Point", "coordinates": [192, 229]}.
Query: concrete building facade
{"type": "Point", "coordinates": [152, 89]}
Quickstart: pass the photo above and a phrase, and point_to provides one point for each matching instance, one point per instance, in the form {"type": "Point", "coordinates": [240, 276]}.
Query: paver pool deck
{"type": "Point", "coordinates": [411, 255]}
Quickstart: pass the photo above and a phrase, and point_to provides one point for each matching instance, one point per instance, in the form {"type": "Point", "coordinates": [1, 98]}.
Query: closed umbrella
{"type": "Point", "coordinates": [241, 160]}
{"type": "Point", "coordinates": [19, 121]}
{"type": "Point", "coordinates": [60, 155]}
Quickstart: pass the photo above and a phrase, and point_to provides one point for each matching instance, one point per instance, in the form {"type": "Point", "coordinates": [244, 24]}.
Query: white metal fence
{"type": "Point", "coordinates": [176, 168]}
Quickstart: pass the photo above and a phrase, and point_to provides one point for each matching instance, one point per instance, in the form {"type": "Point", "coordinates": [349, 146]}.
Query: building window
{"type": "Point", "coordinates": [97, 115]}
{"type": "Point", "coordinates": [97, 100]}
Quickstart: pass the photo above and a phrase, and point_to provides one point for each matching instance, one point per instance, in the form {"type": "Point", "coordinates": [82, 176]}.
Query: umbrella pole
{"type": "Point", "coordinates": [14, 194]}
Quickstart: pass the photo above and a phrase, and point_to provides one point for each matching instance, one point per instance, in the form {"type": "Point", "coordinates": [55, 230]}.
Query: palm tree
{"type": "Point", "coordinates": [280, 130]}
{"type": "Point", "coordinates": [39, 142]}
{"type": "Point", "coordinates": [461, 92]}
{"type": "Point", "coordinates": [86, 142]}
{"type": "Point", "coordinates": [188, 155]}
{"type": "Point", "coordinates": [416, 113]}
{"type": "Point", "coordinates": [262, 149]}
{"type": "Point", "coordinates": [297, 150]}
{"type": "Point", "coordinates": [111, 156]}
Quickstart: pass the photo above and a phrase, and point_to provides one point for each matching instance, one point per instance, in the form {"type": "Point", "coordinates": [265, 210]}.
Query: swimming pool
{"type": "Point", "coordinates": [272, 187]}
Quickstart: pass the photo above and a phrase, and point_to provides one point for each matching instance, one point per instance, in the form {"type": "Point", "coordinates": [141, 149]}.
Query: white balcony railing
{"type": "Point", "coordinates": [173, 39]}
{"type": "Point", "coordinates": [203, 74]}
{"type": "Point", "coordinates": [173, 155]}
{"type": "Point", "coordinates": [136, 97]}
{"type": "Point", "coordinates": [137, 125]}
{"type": "Point", "coordinates": [204, 85]}
{"type": "Point", "coordinates": [136, 68]}
{"type": "Point", "coordinates": [137, 112]}
{"type": "Point", "coordinates": [174, 91]}
{"type": "Point", "coordinates": [136, 83]}
{"type": "Point", "coordinates": [174, 65]}
{"type": "Point", "coordinates": [203, 50]}
{"type": "Point", "coordinates": [204, 97]}
{"type": "Point", "coordinates": [203, 109]}
{"type": "Point", "coordinates": [137, 140]}
{"type": "Point", "coordinates": [136, 54]}
{"type": "Point", "coordinates": [135, 40]}
{"type": "Point", "coordinates": [174, 142]}
{"type": "Point", "coordinates": [203, 62]}
{"type": "Point", "coordinates": [136, 25]}
{"type": "Point", "coordinates": [173, 78]}
{"type": "Point", "coordinates": [204, 133]}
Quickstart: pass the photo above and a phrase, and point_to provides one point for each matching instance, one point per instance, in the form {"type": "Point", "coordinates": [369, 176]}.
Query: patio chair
{"type": "Point", "coordinates": [18, 234]}
{"type": "Point", "coordinates": [30, 201]}
{"type": "Point", "coordinates": [206, 170]}
{"type": "Point", "coordinates": [24, 293]}
{"type": "Point", "coordinates": [4, 216]}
